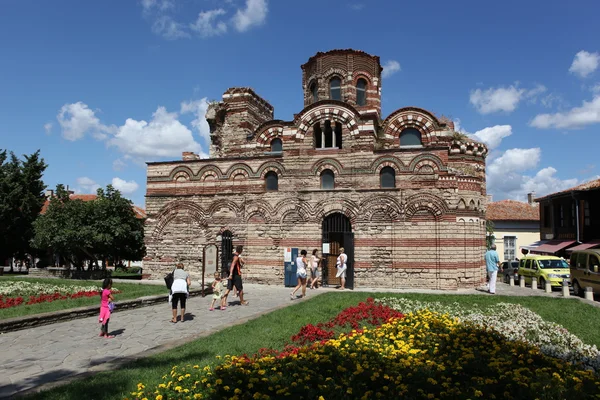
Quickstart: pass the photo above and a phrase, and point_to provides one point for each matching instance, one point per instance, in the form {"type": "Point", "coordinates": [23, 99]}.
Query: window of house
{"type": "Point", "coordinates": [573, 217]}
{"type": "Point", "coordinates": [271, 181]}
{"type": "Point", "coordinates": [276, 145]}
{"type": "Point", "coordinates": [327, 134]}
{"type": "Point", "coordinates": [586, 213]}
{"type": "Point", "coordinates": [547, 216]}
{"type": "Point", "coordinates": [361, 92]}
{"type": "Point", "coordinates": [327, 179]}
{"type": "Point", "coordinates": [335, 89]}
{"type": "Point", "coordinates": [510, 245]}
{"type": "Point", "coordinates": [387, 177]}
{"type": "Point", "coordinates": [562, 215]}
{"type": "Point", "coordinates": [314, 91]}
{"type": "Point", "coordinates": [410, 137]}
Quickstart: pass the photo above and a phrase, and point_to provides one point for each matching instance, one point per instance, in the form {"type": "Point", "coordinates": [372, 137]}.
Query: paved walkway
{"type": "Point", "coordinates": [50, 354]}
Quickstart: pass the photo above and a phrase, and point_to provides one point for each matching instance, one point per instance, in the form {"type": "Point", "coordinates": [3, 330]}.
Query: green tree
{"type": "Point", "coordinates": [118, 233]}
{"type": "Point", "coordinates": [99, 230]}
{"type": "Point", "coordinates": [21, 200]}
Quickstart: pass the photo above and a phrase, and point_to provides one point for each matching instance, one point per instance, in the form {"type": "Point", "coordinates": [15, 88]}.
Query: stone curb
{"type": "Point", "coordinates": [30, 321]}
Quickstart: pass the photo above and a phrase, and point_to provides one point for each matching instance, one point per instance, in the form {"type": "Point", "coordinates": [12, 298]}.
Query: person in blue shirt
{"type": "Point", "coordinates": [492, 264]}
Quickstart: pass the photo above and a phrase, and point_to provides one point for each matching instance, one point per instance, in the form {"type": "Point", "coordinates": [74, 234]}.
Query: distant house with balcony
{"type": "Point", "coordinates": [570, 220]}
{"type": "Point", "coordinates": [516, 224]}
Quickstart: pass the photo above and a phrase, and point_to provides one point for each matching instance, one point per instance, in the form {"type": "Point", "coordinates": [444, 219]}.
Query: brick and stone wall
{"type": "Point", "coordinates": [428, 231]}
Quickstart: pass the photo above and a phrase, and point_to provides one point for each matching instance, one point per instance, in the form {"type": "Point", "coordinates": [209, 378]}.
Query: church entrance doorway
{"type": "Point", "coordinates": [337, 233]}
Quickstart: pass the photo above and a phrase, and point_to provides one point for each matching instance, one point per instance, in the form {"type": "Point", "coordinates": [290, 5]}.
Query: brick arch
{"type": "Point", "coordinates": [181, 170]}
{"type": "Point", "coordinates": [269, 166]}
{"type": "Point", "coordinates": [327, 109]}
{"type": "Point", "coordinates": [389, 205]}
{"type": "Point", "coordinates": [262, 208]}
{"type": "Point", "coordinates": [344, 206]}
{"type": "Point", "coordinates": [267, 132]}
{"type": "Point", "coordinates": [425, 202]}
{"type": "Point", "coordinates": [388, 161]}
{"type": "Point", "coordinates": [219, 204]}
{"type": "Point", "coordinates": [411, 117]}
{"type": "Point", "coordinates": [461, 205]}
{"type": "Point", "coordinates": [426, 159]}
{"type": "Point", "coordinates": [172, 209]}
{"type": "Point", "coordinates": [293, 205]}
{"type": "Point", "coordinates": [356, 75]}
{"type": "Point", "coordinates": [332, 73]}
{"type": "Point", "coordinates": [209, 170]}
{"type": "Point", "coordinates": [238, 168]}
{"type": "Point", "coordinates": [327, 163]}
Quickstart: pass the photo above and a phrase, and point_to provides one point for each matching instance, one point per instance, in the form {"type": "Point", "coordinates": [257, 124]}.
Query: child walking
{"type": "Point", "coordinates": [217, 287]}
{"type": "Point", "coordinates": [106, 300]}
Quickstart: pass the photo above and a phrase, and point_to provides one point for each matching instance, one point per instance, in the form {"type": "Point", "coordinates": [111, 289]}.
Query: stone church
{"type": "Point", "coordinates": [404, 194]}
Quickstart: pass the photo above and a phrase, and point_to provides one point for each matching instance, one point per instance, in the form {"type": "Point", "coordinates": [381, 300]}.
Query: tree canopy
{"type": "Point", "coordinates": [102, 229]}
{"type": "Point", "coordinates": [21, 200]}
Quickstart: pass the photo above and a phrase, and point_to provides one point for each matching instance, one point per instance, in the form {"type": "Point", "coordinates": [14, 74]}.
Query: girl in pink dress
{"type": "Point", "coordinates": [106, 299]}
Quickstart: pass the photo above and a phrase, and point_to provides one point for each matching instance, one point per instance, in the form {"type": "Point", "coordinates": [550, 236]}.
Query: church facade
{"type": "Point", "coordinates": [404, 194]}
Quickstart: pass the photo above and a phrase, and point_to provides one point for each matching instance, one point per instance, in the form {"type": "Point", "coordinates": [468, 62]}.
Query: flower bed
{"type": "Point", "coordinates": [16, 293]}
{"type": "Point", "coordinates": [516, 323]}
{"type": "Point", "coordinates": [424, 355]}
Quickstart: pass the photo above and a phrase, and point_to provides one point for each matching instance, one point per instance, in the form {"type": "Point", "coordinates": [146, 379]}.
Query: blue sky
{"type": "Point", "coordinates": [103, 86]}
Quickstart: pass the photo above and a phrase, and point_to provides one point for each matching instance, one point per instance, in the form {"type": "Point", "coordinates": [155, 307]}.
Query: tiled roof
{"type": "Point", "coordinates": [591, 185]}
{"type": "Point", "coordinates": [139, 212]}
{"type": "Point", "coordinates": [511, 210]}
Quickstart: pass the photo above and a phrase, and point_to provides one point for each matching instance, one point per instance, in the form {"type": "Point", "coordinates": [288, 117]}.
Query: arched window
{"type": "Point", "coordinates": [271, 181]}
{"type": "Point", "coordinates": [327, 134]}
{"type": "Point", "coordinates": [387, 177]}
{"type": "Point", "coordinates": [314, 91]}
{"type": "Point", "coordinates": [335, 89]}
{"type": "Point", "coordinates": [276, 145]}
{"type": "Point", "coordinates": [361, 92]}
{"type": "Point", "coordinates": [410, 137]}
{"type": "Point", "coordinates": [327, 179]}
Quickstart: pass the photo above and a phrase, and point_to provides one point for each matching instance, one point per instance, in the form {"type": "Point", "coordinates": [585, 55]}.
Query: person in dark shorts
{"type": "Point", "coordinates": [235, 277]}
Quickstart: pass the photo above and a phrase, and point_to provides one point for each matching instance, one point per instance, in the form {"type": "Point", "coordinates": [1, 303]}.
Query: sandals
{"type": "Point", "coordinates": [173, 321]}
{"type": "Point", "coordinates": [245, 303]}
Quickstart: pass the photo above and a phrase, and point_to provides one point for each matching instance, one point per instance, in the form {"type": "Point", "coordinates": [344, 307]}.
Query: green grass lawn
{"type": "Point", "coordinates": [275, 329]}
{"type": "Point", "coordinates": [128, 291]}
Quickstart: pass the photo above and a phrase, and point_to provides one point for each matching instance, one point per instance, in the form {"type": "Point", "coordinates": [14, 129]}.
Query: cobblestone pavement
{"type": "Point", "coordinates": [45, 355]}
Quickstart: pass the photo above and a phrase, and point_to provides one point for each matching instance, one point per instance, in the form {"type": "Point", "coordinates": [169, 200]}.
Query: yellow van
{"type": "Point", "coordinates": [584, 270]}
{"type": "Point", "coordinates": [545, 269]}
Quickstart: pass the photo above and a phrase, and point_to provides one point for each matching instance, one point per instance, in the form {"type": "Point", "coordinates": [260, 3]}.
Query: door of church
{"type": "Point", "coordinates": [337, 233]}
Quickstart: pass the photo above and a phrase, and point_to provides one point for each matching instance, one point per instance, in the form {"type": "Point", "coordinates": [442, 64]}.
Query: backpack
{"type": "Point", "coordinates": [169, 280]}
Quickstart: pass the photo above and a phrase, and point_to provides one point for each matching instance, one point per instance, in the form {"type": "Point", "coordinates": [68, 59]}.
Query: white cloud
{"type": "Point", "coordinates": [163, 136]}
{"type": "Point", "coordinates": [496, 99]}
{"type": "Point", "coordinates": [254, 14]}
{"type": "Point", "coordinates": [198, 108]}
{"type": "Point", "coordinates": [503, 98]}
{"type": "Point", "coordinates": [87, 185]}
{"type": "Point", "coordinates": [493, 135]}
{"type": "Point", "coordinates": [160, 5]}
{"type": "Point", "coordinates": [168, 28]}
{"type": "Point", "coordinates": [578, 117]}
{"type": "Point", "coordinates": [584, 63]}
{"type": "Point", "coordinates": [123, 186]}
{"type": "Point", "coordinates": [77, 119]}
{"type": "Point", "coordinates": [595, 88]}
{"type": "Point", "coordinates": [119, 164]}
{"type": "Point", "coordinates": [48, 128]}
{"type": "Point", "coordinates": [390, 68]}
{"type": "Point", "coordinates": [206, 24]}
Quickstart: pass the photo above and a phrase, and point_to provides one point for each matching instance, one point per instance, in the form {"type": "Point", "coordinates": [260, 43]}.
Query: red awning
{"type": "Point", "coordinates": [588, 245]}
{"type": "Point", "coordinates": [552, 246]}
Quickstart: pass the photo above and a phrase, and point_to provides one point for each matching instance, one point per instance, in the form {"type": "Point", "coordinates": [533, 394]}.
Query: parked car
{"type": "Point", "coordinates": [545, 269]}
{"type": "Point", "coordinates": [510, 268]}
{"type": "Point", "coordinates": [584, 270]}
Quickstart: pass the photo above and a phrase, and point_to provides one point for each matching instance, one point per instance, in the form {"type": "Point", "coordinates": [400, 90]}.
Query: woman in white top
{"type": "Point", "coordinates": [342, 267]}
{"type": "Point", "coordinates": [314, 268]}
{"type": "Point", "coordinates": [179, 291]}
{"type": "Point", "coordinates": [301, 263]}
